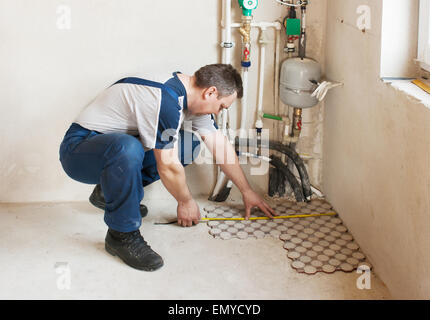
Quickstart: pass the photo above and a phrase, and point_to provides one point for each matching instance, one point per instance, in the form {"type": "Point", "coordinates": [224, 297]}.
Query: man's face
{"type": "Point", "coordinates": [210, 104]}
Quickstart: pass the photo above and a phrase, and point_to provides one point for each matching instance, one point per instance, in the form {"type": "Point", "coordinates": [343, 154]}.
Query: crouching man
{"type": "Point", "coordinates": [128, 138]}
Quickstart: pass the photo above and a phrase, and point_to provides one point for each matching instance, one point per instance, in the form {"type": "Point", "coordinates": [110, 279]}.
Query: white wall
{"type": "Point", "coordinates": [50, 74]}
{"type": "Point", "coordinates": [376, 155]}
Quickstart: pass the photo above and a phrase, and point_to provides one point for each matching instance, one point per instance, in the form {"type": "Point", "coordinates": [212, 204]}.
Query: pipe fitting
{"type": "Point", "coordinates": [245, 29]}
{"type": "Point", "coordinates": [259, 124]}
{"type": "Point", "coordinates": [263, 40]}
{"type": "Point", "coordinates": [297, 122]}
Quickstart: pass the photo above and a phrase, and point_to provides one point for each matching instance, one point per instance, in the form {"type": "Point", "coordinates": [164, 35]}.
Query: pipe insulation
{"type": "Point", "coordinates": [282, 173]}
{"type": "Point", "coordinates": [291, 154]}
{"type": "Point", "coordinates": [297, 189]}
{"type": "Point", "coordinates": [294, 156]}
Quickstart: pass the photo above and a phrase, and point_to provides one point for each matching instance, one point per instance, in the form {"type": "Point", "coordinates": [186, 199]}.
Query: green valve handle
{"type": "Point", "coordinates": [247, 6]}
{"type": "Point", "coordinates": [269, 116]}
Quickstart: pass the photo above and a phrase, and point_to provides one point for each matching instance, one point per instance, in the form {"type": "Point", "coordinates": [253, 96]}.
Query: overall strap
{"type": "Point", "coordinates": [149, 83]}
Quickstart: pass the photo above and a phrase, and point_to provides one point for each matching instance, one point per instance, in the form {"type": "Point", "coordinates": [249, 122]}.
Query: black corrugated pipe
{"type": "Point", "coordinates": [291, 154]}
{"type": "Point", "coordinates": [290, 163]}
{"type": "Point", "coordinates": [300, 165]}
{"type": "Point", "coordinates": [273, 181]}
{"type": "Point", "coordinates": [281, 185]}
{"type": "Point", "coordinates": [295, 185]}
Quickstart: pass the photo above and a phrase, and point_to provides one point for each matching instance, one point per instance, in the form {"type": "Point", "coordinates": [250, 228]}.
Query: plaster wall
{"type": "Point", "coordinates": [376, 155]}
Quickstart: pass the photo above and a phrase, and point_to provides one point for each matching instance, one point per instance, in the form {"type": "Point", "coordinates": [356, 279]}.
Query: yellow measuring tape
{"type": "Point", "coordinates": [258, 218]}
{"type": "Point", "coordinates": [274, 217]}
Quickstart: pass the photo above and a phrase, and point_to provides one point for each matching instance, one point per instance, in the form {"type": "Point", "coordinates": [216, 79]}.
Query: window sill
{"type": "Point", "coordinates": [412, 90]}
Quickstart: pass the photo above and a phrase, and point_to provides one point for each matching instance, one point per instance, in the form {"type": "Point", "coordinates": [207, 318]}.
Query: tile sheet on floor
{"type": "Point", "coordinates": [320, 243]}
{"type": "Point", "coordinates": [41, 244]}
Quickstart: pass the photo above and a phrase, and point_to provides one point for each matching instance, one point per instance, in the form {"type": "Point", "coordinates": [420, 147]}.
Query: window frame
{"type": "Point", "coordinates": [424, 33]}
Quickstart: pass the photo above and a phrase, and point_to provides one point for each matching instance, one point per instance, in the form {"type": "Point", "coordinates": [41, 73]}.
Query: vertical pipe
{"type": "Point", "coordinates": [223, 31]}
{"type": "Point", "coordinates": [277, 64]}
{"type": "Point", "coordinates": [261, 77]}
{"type": "Point", "coordinates": [227, 26]}
{"type": "Point", "coordinates": [244, 102]}
{"type": "Point", "coordinates": [302, 42]}
{"type": "Point", "coordinates": [226, 58]}
{"type": "Point", "coordinates": [227, 47]}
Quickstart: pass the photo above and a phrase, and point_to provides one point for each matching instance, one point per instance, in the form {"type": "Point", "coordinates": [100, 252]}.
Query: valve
{"type": "Point", "coordinates": [247, 6]}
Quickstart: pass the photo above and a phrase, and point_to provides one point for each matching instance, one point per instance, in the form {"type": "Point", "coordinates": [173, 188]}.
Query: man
{"type": "Point", "coordinates": [128, 137]}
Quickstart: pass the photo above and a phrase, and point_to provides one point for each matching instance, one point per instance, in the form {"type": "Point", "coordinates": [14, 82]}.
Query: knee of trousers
{"type": "Point", "coordinates": [126, 150]}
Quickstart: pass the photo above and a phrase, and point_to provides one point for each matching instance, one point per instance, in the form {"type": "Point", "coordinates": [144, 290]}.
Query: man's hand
{"type": "Point", "coordinates": [188, 213]}
{"type": "Point", "coordinates": [251, 200]}
{"type": "Point", "coordinates": [172, 175]}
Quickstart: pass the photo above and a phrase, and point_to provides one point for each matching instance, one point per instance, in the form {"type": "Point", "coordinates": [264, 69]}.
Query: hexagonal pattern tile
{"type": "Point", "coordinates": [314, 244]}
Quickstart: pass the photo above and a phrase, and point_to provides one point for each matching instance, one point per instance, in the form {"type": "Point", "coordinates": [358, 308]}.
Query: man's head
{"type": "Point", "coordinates": [217, 85]}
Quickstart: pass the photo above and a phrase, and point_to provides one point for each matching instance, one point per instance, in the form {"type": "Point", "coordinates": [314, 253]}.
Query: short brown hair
{"type": "Point", "coordinates": [222, 76]}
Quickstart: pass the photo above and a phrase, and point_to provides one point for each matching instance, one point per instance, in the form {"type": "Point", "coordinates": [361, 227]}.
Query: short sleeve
{"type": "Point", "coordinates": [203, 124]}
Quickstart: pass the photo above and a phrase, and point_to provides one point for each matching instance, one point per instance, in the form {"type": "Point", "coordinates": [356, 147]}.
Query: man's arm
{"type": "Point", "coordinates": [225, 156]}
{"type": "Point", "coordinates": [172, 175]}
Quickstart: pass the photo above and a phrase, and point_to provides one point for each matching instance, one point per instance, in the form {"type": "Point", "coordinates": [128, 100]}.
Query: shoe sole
{"type": "Point", "coordinates": [97, 204]}
{"type": "Point", "coordinates": [114, 253]}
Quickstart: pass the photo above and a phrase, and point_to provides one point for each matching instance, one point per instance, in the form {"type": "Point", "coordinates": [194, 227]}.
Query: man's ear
{"type": "Point", "coordinates": [209, 92]}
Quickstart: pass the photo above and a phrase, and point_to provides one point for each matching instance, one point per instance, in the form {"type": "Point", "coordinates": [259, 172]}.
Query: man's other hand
{"type": "Point", "coordinates": [251, 200]}
{"type": "Point", "coordinates": [188, 213]}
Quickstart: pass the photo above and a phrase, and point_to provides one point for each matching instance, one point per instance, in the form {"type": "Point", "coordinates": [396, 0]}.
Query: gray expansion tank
{"type": "Point", "coordinates": [295, 85]}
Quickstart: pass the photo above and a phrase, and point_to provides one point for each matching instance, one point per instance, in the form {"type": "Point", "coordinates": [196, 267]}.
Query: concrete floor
{"type": "Point", "coordinates": [36, 237]}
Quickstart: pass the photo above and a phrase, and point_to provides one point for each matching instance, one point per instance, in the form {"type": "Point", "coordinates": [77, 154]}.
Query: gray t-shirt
{"type": "Point", "coordinates": [152, 110]}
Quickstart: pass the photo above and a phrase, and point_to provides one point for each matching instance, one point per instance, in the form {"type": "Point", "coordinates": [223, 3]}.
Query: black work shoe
{"type": "Point", "coordinates": [133, 250]}
{"type": "Point", "coordinates": [97, 199]}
